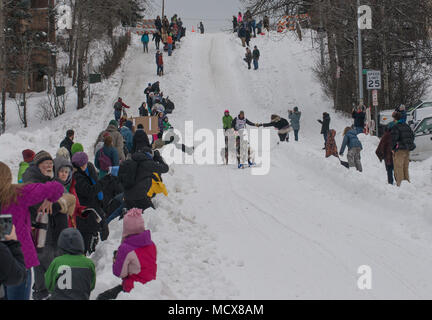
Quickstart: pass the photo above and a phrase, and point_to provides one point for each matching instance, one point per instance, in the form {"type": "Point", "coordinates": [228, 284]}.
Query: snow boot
{"type": "Point", "coordinates": [240, 166]}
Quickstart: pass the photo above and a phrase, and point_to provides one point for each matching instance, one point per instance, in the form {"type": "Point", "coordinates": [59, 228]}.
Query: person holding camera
{"type": "Point", "coordinates": [12, 268]}
{"type": "Point", "coordinates": [16, 200]}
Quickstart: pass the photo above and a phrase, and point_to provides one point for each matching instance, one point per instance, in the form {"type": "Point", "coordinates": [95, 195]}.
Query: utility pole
{"type": "Point", "coordinates": [163, 8]}
{"type": "Point", "coordinates": [360, 58]}
{"type": "Point", "coordinates": [2, 66]}
{"type": "Point", "coordinates": [321, 33]}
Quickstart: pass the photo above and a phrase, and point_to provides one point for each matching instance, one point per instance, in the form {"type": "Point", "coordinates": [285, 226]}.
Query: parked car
{"type": "Point", "coordinates": [423, 140]}
{"type": "Point", "coordinates": [415, 114]}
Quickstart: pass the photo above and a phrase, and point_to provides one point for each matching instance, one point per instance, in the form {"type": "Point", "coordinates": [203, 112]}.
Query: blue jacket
{"type": "Point", "coordinates": [295, 120]}
{"type": "Point", "coordinates": [145, 38]}
{"type": "Point", "coordinates": [404, 116]}
{"type": "Point", "coordinates": [128, 137]}
{"type": "Point", "coordinates": [351, 141]}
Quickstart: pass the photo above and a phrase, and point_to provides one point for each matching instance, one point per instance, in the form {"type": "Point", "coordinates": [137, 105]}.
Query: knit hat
{"type": "Point", "coordinates": [79, 159]}
{"type": "Point", "coordinates": [28, 155]}
{"type": "Point", "coordinates": [133, 223]}
{"type": "Point", "coordinates": [77, 147]}
{"type": "Point", "coordinates": [129, 124]}
{"type": "Point", "coordinates": [41, 156]}
{"type": "Point", "coordinates": [113, 123]}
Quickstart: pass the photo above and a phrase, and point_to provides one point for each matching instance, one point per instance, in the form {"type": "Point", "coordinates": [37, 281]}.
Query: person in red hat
{"type": "Point", "coordinates": [28, 156]}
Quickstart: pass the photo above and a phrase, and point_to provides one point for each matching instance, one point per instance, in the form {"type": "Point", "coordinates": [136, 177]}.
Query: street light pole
{"type": "Point", "coordinates": [163, 8]}
{"type": "Point", "coordinates": [360, 58]}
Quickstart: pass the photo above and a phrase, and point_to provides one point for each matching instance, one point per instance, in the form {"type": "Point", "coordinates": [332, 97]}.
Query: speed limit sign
{"type": "Point", "coordinates": [373, 80]}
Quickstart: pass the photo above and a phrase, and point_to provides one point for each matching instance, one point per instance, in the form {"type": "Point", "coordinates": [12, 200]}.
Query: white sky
{"type": "Point", "coordinates": [216, 15]}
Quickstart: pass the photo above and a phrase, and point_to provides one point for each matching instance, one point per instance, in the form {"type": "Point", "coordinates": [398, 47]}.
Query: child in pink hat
{"type": "Point", "coordinates": [135, 259]}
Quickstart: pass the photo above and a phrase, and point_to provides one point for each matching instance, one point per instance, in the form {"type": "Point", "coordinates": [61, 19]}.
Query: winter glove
{"type": "Point", "coordinates": [67, 203]}
{"type": "Point", "coordinates": [110, 294]}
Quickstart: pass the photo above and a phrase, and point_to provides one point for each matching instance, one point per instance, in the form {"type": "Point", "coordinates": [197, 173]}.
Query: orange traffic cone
{"type": "Point", "coordinates": [193, 29]}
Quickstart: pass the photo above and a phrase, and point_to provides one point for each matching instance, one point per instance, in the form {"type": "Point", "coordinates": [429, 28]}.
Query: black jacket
{"type": "Point", "coordinates": [359, 119]}
{"type": "Point", "coordinates": [325, 123]}
{"type": "Point", "coordinates": [67, 143]}
{"type": "Point", "coordinates": [140, 141]}
{"type": "Point", "coordinates": [256, 54]}
{"type": "Point", "coordinates": [282, 123]}
{"type": "Point", "coordinates": [12, 268]}
{"type": "Point", "coordinates": [145, 167]}
{"type": "Point", "coordinates": [86, 191]}
{"type": "Point", "coordinates": [242, 32]}
{"type": "Point", "coordinates": [402, 137]}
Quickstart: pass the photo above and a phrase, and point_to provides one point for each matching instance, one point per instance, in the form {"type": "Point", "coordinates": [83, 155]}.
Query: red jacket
{"type": "Point", "coordinates": [170, 40]}
{"type": "Point", "coordinates": [160, 60]}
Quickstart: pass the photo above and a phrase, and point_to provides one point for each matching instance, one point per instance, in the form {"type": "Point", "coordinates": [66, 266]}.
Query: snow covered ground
{"type": "Point", "coordinates": [299, 232]}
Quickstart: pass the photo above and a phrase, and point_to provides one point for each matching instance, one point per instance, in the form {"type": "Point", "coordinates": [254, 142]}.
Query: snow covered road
{"type": "Point", "coordinates": [302, 231]}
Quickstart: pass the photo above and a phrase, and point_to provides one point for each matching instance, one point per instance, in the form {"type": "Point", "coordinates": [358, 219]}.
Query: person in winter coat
{"type": "Point", "coordinates": [16, 200]}
{"type": "Point", "coordinates": [403, 112]}
{"type": "Point", "coordinates": [77, 147]}
{"type": "Point", "coordinates": [63, 171]}
{"type": "Point", "coordinates": [158, 23]}
{"type": "Point", "coordinates": [107, 152]}
{"type": "Point", "coordinates": [28, 156]}
{"type": "Point", "coordinates": [325, 126]}
{"type": "Point", "coordinates": [240, 18]}
{"type": "Point", "coordinates": [295, 116]}
{"type": "Point", "coordinates": [201, 26]}
{"type": "Point", "coordinates": [160, 64]}
{"type": "Point", "coordinates": [359, 117]}
{"type": "Point", "coordinates": [90, 195]}
{"type": "Point", "coordinates": [143, 111]}
{"type": "Point", "coordinates": [281, 124]}
{"type": "Point", "coordinates": [354, 148]}
{"type": "Point", "coordinates": [330, 146]}
{"type": "Point", "coordinates": [259, 27]}
{"type": "Point", "coordinates": [126, 132]}
{"type": "Point", "coordinates": [140, 140]}
{"type": "Point", "coordinates": [47, 227]}
{"type": "Point", "coordinates": [240, 122]}
{"type": "Point", "coordinates": [147, 92]}
{"type": "Point", "coordinates": [227, 124]}
{"type": "Point", "coordinates": [68, 141]}
{"type": "Point", "coordinates": [248, 37]}
{"type": "Point", "coordinates": [135, 259]}
{"type": "Point", "coordinates": [384, 152]}
{"type": "Point", "coordinates": [170, 44]}
{"type": "Point", "coordinates": [242, 34]}
{"type": "Point", "coordinates": [235, 24]}
{"type": "Point", "coordinates": [80, 269]}
{"type": "Point", "coordinates": [118, 108]}
{"type": "Point", "coordinates": [248, 58]}
{"type": "Point", "coordinates": [402, 144]}
{"type": "Point", "coordinates": [255, 57]}
{"type": "Point", "coordinates": [227, 120]}
{"type": "Point", "coordinates": [12, 268]}
{"type": "Point", "coordinates": [145, 41]}
{"type": "Point", "coordinates": [118, 142]}
{"type": "Point", "coordinates": [136, 177]}
{"type": "Point", "coordinates": [157, 39]}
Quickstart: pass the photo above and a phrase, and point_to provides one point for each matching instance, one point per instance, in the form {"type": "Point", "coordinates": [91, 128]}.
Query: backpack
{"type": "Point", "coordinates": [127, 173]}
{"type": "Point", "coordinates": [157, 186]}
{"type": "Point", "coordinates": [104, 161]}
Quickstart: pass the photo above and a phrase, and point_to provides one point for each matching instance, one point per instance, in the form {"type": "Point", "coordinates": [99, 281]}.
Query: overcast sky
{"type": "Point", "coordinates": [215, 14]}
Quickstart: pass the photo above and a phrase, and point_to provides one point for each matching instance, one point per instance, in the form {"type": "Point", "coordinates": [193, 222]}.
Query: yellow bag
{"type": "Point", "coordinates": [157, 186]}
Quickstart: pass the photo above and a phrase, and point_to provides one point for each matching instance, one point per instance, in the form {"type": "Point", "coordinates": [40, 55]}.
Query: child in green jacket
{"type": "Point", "coordinates": [227, 120]}
{"type": "Point", "coordinates": [28, 156]}
{"type": "Point", "coordinates": [71, 276]}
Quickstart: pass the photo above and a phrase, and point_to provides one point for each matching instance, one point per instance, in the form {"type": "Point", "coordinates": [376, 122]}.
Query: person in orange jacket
{"type": "Point", "coordinates": [170, 44]}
